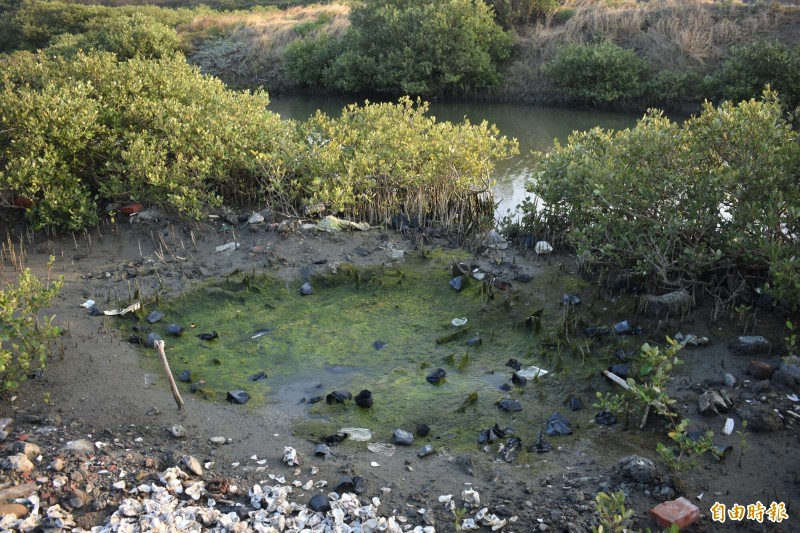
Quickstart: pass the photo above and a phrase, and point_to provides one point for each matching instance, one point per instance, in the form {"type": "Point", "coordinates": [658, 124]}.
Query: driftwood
{"type": "Point", "coordinates": [159, 344]}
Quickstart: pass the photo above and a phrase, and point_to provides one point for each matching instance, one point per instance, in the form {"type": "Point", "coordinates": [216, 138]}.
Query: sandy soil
{"type": "Point", "coordinates": [98, 388]}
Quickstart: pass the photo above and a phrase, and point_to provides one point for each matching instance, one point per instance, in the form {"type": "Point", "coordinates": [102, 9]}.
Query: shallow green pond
{"type": "Point", "coordinates": [317, 344]}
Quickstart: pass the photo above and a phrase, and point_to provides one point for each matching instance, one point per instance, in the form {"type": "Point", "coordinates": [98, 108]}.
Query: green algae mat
{"type": "Point", "coordinates": [384, 329]}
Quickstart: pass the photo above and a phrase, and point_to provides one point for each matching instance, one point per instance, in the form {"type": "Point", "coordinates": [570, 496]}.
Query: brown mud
{"type": "Point", "coordinates": [95, 386]}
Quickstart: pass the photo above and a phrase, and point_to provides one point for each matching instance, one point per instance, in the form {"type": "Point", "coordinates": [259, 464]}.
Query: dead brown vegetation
{"type": "Point", "coordinates": [246, 47]}
{"type": "Point", "coordinates": [670, 34]}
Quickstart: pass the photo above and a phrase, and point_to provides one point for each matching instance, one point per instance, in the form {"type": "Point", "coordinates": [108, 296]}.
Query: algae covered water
{"type": "Point", "coordinates": [389, 330]}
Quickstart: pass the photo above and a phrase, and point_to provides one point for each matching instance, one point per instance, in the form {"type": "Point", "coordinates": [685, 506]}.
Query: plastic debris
{"type": "Point", "coordinates": [255, 218]}
{"type": "Point", "coordinates": [570, 299]}
{"type": "Point", "coordinates": [338, 396]}
{"type": "Point", "coordinates": [291, 457]}
{"type": "Point", "coordinates": [357, 434]}
{"type": "Point", "coordinates": [155, 316]}
{"type": "Point", "coordinates": [511, 449]}
{"type": "Point", "coordinates": [558, 425]}
{"type": "Point", "coordinates": [437, 376]}
{"type": "Point", "coordinates": [237, 396]}
{"type": "Point", "coordinates": [306, 289]}
{"type": "Point", "coordinates": [88, 304]}
{"type": "Point", "coordinates": [543, 248]}
{"type": "Point", "coordinates": [175, 330]}
{"type": "Point", "coordinates": [458, 322]}
{"type": "Point", "coordinates": [728, 428]}
{"type": "Point", "coordinates": [532, 372]}
{"type": "Point", "coordinates": [229, 247]}
{"type": "Point", "coordinates": [208, 336]}
{"type": "Point", "coordinates": [331, 224]}
{"type": "Point", "coordinates": [494, 433]}
{"type": "Point", "coordinates": [133, 307]}
{"type": "Point", "coordinates": [605, 418]}
{"type": "Point", "coordinates": [540, 446]}
{"type": "Point", "coordinates": [382, 448]}
{"type": "Point", "coordinates": [457, 283]}
{"type": "Point", "coordinates": [509, 405]}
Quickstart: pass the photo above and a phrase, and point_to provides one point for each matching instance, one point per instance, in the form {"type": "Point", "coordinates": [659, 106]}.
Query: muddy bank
{"type": "Point", "coordinates": [100, 391]}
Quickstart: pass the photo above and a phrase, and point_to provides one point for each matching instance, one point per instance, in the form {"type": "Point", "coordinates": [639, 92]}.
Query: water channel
{"type": "Point", "coordinates": [535, 127]}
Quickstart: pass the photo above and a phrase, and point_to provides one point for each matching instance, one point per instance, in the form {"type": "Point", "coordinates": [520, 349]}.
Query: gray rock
{"type": "Point", "coordinates": [403, 437]}
{"type": "Point", "coordinates": [178, 431]}
{"type": "Point", "coordinates": [749, 345]}
{"type": "Point", "coordinates": [672, 303]}
{"type": "Point", "coordinates": [790, 368]}
{"type": "Point", "coordinates": [761, 418]}
{"type": "Point", "coordinates": [5, 428]}
{"type": "Point", "coordinates": [760, 386]}
{"type": "Point", "coordinates": [730, 380]}
{"type": "Point", "coordinates": [192, 465]}
{"type": "Point", "coordinates": [79, 446]}
{"type": "Point", "coordinates": [29, 449]}
{"type": "Point", "coordinates": [57, 464]}
{"type": "Point", "coordinates": [217, 440]}
{"type": "Point", "coordinates": [637, 468]}
{"type": "Point", "coordinates": [711, 402]}
{"type": "Point", "coordinates": [18, 463]}
{"type": "Point", "coordinates": [77, 499]}
{"type": "Point", "coordinates": [425, 451]}
{"type": "Point", "coordinates": [786, 379]}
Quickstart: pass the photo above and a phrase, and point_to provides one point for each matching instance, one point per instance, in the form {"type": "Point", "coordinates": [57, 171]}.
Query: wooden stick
{"type": "Point", "coordinates": [159, 344]}
{"type": "Point", "coordinates": [616, 379]}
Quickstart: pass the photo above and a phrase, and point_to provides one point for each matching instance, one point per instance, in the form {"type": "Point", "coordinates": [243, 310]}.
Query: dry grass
{"type": "Point", "coordinates": [246, 48]}
{"type": "Point", "coordinates": [671, 34]}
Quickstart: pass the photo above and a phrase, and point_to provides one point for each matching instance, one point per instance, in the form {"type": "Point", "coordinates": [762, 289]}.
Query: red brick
{"type": "Point", "coordinates": [681, 512]}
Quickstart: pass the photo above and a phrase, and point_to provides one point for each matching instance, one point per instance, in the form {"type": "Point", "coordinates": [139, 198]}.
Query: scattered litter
{"type": "Point", "coordinates": [374, 464]}
{"type": "Point", "coordinates": [793, 397]}
{"type": "Point", "coordinates": [532, 372]}
{"type": "Point", "coordinates": [605, 418]}
{"type": "Point", "coordinates": [133, 307]}
{"type": "Point", "coordinates": [494, 433]}
{"type": "Point", "coordinates": [290, 456]}
{"type": "Point", "coordinates": [155, 316]}
{"type": "Point", "coordinates": [471, 498]}
{"type": "Point", "coordinates": [456, 322]}
{"type": "Point", "coordinates": [229, 247]}
{"type": "Point", "coordinates": [540, 446]}
{"type": "Point", "coordinates": [357, 434]}
{"type": "Point", "coordinates": [88, 304]}
{"type": "Point", "coordinates": [543, 248]}
{"type": "Point", "coordinates": [728, 429]}
{"type": "Point", "coordinates": [437, 376]}
{"type": "Point", "coordinates": [570, 299]}
{"type": "Point", "coordinates": [330, 224]}
{"type": "Point", "coordinates": [691, 340]}
{"type": "Point", "coordinates": [382, 448]}
{"type": "Point", "coordinates": [558, 425]}
{"type": "Point", "coordinates": [510, 449]}
{"type": "Point", "coordinates": [457, 283]}
{"type": "Point", "coordinates": [306, 289]}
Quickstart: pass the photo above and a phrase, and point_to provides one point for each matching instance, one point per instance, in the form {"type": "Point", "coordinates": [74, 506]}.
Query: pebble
{"type": "Point", "coordinates": [79, 446]}
{"type": "Point", "coordinates": [217, 440]}
{"type": "Point", "coordinates": [18, 463]}
{"type": "Point", "coordinates": [178, 431]}
{"type": "Point", "coordinates": [403, 437]}
{"type": "Point", "coordinates": [17, 509]}
{"type": "Point", "coordinates": [192, 465]}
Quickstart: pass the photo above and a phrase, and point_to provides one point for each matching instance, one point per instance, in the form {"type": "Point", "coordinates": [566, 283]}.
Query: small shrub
{"type": "Point", "coordinates": [598, 74]}
{"type": "Point", "coordinates": [669, 89]}
{"type": "Point", "coordinates": [751, 67]}
{"type": "Point", "coordinates": [24, 336]}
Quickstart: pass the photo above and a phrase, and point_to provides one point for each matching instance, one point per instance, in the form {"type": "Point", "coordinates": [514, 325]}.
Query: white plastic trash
{"type": "Point", "coordinates": [543, 248]}
{"type": "Point", "coordinates": [728, 429]}
{"type": "Point", "coordinates": [87, 304]}
{"type": "Point", "coordinates": [357, 434]}
{"type": "Point", "coordinates": [458, 322]}
{"type": "Point", "coordinates": [532, 372]}
{"type": "Point", "coordinates": [229, 247]}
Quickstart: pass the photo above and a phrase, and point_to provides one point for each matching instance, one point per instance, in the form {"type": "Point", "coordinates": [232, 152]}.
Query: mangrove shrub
{"type": "Point", "coordinates": [416, 47]}
{"type": "Point", "coordinates": [378, 160]}
{"type": "Point", "coordinates": [598, 73]}
{"type": "Point", "coordinates": [685, 205]}
{"type": "Point", "coordinates": [73, 132]}
{"type": "Point", "coordinates": [751, 67]}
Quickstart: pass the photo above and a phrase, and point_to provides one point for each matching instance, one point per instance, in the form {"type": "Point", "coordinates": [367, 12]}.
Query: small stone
{"type": "Point", "coordinates": [402, 437]}
{"type": "Point", "coordinates": [674, 303]}
{"type": "Point", "coordinates": [306, 289]}
{"type": "Point", "coordinates": [217, 440]}
{"type": "Point", "coordinates": [711, 402]}
{"type": "Point", "coordinates": [185, 376]}
{"type": "Point", "coordinates": [760, 370]}
{"type": "Point", "coordinates": [749, 345]}
{"type": "Point", "coordinates": [730, 380]}
{"type": "Point", "coordinates": [637, 468]}
{"type": "Point", "coordinates": [57, 464]}
{"type": "Point", "coordinates": [192, 465]}
{"type": "Point", "coordinates": [17, 509]}
{"type": "Point", "coordinates": [18, 463]}
{"type": "Point", "coordinates": [79, 446]}
{"type": "Point", "coordinates": [155, 316]}
{"type": "Point", "coordinates": [425, 451]}
{"type": "Point", "coordinates": [178, 431]}
{"type": "Point", "coordinates": [760, 386]}
{"type": "Point", "coordinates": [319, 504]}
{"type": "Point", "coordinates": [28, 449]}
{"type": "Point", "coordinates": [238, 396]}
{"type": "Point", "coordinates": [509, 405]}
{"type": "Point", "coordinates": [761, 418]}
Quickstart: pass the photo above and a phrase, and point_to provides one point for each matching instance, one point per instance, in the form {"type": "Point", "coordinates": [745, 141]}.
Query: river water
{"type": "Point", "coordinates": [535, 127]}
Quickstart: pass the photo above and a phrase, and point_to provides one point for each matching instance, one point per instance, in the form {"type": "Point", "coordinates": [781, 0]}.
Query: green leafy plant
{"type": "Point", "coordinates": [25, 337]}
{"type": "Point", "coordinates": [598, 74]}
{"type": "Point", "coordinates": [614, 517]}
{"type": "Point", "coordinates": [685, 449]}
{"type": "Point", "coordinates": [792, 340]}
{"type": "Point", "coordinates": [743, 444]}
